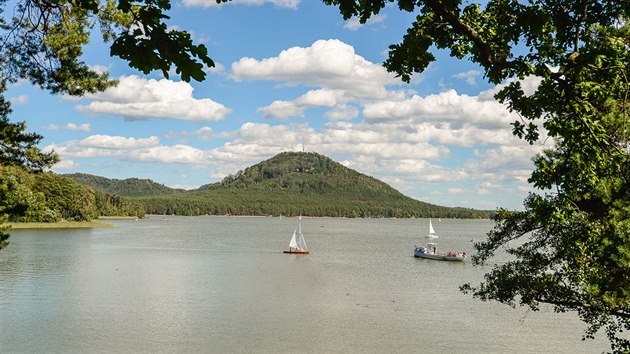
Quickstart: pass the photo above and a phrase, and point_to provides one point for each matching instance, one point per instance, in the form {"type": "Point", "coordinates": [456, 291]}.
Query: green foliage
{"type": "Point", "coordinates": [17, 147]}
{"type": "Point", "coordinates": [43, 42]}
{"type": "Point", "coordinates": [294, 184]}
{"type": "Point", "coordinates": [113, 205]}
{"type": "Point", "coordinates": [130, 187]}
{"type": "Point", "coordinates": [153, 46]}
{"type": "Point", "coordinates": [73, 201]}
{"type": "Point", "coordinates": [26, 196]}
{"type": "Point", "coordinates": [570, 245]}
{"type": "Point", "coordinates": [4, 236]}
{"type": "Point", "coordinates": [19, 201]}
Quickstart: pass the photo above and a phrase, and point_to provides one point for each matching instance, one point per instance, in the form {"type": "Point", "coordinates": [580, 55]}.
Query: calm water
{"type": "Point", "coordinates": [222, 284]}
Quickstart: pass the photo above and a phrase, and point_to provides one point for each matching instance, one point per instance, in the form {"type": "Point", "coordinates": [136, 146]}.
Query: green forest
{"type": "Point", "coordinates": [30, 196]}
{"type": "Point", "coordinates": [289, 184]}
{"type": "Point", "coordinates": [130, 187]}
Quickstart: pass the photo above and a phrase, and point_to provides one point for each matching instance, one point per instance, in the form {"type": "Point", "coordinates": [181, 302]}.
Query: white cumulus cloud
{"type": "Point", "coordinates": [283, 110]}
{"type": "Point", "coordinates": [128, 149]}
{"type": "Point", "coordinates": [330, 64]}
{"type": "Point", "coordinates": [138, 98]}
{"type": "Point", "coordinates": [118, 142]}
{"type": "Point", "coordinates": [342, 112]}
{"type": "Point", "coordinates": [447, 106]}
{"type": "Point", "coordinates": [85, 127]}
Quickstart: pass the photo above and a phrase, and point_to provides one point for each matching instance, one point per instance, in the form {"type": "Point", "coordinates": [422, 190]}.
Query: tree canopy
{"type": "Point", "coordinates": [48, 197]}
{"type": "Point", "coordinates": [571, 244]}
{"type": "Point", "coordinates": [43, 42]}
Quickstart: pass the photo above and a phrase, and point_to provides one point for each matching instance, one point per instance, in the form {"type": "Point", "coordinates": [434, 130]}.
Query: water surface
{"type": "Point", "coordinates": [222, 284]}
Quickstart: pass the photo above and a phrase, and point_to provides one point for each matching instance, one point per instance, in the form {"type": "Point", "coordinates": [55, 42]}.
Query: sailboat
{"type": "Point", "coordinates": [297, 245]}
{"type": "Point", "coordinates": [430, 251]}
{"type": "Point", "coordinates": [432, 233]}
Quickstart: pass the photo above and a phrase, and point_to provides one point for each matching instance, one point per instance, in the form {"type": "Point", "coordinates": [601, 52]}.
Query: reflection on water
{"type": "Point", "coordinates": [222, 284]}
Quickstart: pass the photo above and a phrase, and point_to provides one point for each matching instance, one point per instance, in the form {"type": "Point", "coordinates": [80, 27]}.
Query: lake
{"type": "Point", "coordinates": [223, 285]}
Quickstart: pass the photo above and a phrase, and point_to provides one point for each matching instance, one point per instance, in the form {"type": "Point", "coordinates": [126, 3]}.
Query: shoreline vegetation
{"type": "Point", "coordinates": [39, 200]}
{"type": "Point", "coordinates": [57, 225]}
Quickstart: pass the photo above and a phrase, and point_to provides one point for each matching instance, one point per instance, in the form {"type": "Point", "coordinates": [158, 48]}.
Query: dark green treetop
{"type": "Point", "coordinates": [44, 39]}
{"type": "Point", "coordinates": [17, 147]}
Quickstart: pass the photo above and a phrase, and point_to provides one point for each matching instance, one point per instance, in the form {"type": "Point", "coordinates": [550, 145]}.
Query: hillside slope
{"type": "Point", "coordinates": [299, 183]}
{"type": "Point", "coordinates": [130, 187]}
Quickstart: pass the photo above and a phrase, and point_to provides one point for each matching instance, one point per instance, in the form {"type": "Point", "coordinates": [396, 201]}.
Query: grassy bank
{"type": "Point", "coordinates": [58, 225]}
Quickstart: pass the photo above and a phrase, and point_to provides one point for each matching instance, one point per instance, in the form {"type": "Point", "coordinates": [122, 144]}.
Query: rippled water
{"type": "Point", "coordinates": [222, 284]}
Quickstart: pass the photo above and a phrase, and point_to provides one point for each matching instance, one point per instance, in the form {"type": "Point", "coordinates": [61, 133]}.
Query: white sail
{"type": "Point", "coordinates": [293, 242]}
{"type": "Point", "coordinates": [431, 231]}
{"type": "Point", "coordinates": [297, 240]}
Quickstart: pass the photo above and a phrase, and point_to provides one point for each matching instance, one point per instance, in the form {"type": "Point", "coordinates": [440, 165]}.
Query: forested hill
{"type": "Point", "coordinates": [27, 196]}
{"type": "Point", "coordinates": [298, 183]}
{"type": "Point", "coordinates": [130, 187]}
{"type": "Point", "coordinates": [310, 173]}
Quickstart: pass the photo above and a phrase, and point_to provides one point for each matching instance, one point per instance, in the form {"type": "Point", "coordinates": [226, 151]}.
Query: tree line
{"type": "Point", "coordinates": [294, 203]}
{"type": "Point", "coordinates": [28, 196]}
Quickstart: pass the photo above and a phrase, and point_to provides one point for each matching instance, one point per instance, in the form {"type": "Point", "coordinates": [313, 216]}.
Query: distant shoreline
{"type": "Point", "coordinates": [58, 225]}
{"type": "Point", "coordinates": [154, 216]}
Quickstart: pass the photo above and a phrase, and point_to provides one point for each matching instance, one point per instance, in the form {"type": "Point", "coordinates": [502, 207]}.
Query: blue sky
{"type": "Point", "coordinates": [290, 75]}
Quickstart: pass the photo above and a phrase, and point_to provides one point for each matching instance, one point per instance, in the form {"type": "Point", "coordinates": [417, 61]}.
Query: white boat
{"type": "Point", "coordinates": [297, 245]}
{"type": "Point", "coordinates": [432, 233]}
{"type": "Point", "coordinates": [431, 252]}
